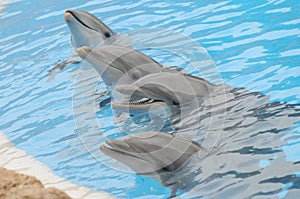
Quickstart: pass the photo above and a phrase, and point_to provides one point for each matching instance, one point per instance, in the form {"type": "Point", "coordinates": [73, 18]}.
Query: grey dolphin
{"type": "Point", "coordinates": [86, 29]}
{"type": "Point", "coordinates": [153, 154]}
{"type": "Point", "coordinates": [116, 63]}
{"type": "Point", "coordinates": [164, 88]}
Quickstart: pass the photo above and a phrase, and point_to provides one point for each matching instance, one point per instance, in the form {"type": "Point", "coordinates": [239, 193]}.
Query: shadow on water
{"type": "Point", "coordinates": [248, 158]}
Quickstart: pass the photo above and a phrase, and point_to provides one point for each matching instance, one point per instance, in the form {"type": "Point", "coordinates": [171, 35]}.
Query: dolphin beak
{"type": "Point", "coordinates": [125, 89]}
{"type": "Point", "coordinates": [68, 15]}
{"type": "Point", "coordinates": [84, 51]}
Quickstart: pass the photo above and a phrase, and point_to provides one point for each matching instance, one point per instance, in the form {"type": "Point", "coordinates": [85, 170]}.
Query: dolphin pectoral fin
{"type": "Point", "coordinates": [51, 74]}
{"type": "Point", "coordinates": [59, 67]}
{"type": "Point", "coordinates": [55, 70]}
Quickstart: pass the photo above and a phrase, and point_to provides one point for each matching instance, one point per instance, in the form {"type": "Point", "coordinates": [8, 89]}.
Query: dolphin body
{"type": "Point", "coordinates": [169, 89]}
{"type": "Point", "coordinates": [120, 64]}
{"type": "Point", "coordinates": [154, 154]}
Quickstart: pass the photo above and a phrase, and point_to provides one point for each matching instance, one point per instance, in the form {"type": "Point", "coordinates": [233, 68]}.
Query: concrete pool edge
{"type": "Point", "coordinates": [17, 160]}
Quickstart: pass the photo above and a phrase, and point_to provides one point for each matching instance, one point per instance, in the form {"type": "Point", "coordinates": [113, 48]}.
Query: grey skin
{"type": "Point", "coordinates": [86, 29]}
{"type": "Point", "coordinates": [153, 154]}
{"type": "Point", "coordinates": [164, 89]}
{"type": "Point", "coordinates": [120, 64]}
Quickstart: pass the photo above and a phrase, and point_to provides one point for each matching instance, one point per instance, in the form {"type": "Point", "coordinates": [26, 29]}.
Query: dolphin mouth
{"type": "Point", "coordinates": [141, 105]}
{"type": "Point", "coordinates": [114, 150]}
{"type": "Point", "coordinates": [125, 153]}
{"type": "Point", "coordinates": [109, 151]}
{"type": "Point", "coordinates": [84, 51]}
{"type": "Point", "coordinates": [135, 103]}
{"type": "Point", "coordinates": [140, 102]}
{"type": "Point", "coordinates": [77, 18]}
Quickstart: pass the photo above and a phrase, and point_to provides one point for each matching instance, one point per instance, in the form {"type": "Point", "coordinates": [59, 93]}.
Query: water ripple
{"type": "Point", "coordinates": [255, 45]}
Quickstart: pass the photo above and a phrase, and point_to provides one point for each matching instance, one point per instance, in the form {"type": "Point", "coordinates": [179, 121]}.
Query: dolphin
{"type": "Point", "coordinates": [169, 89]}
{"type": "Point", "coordinates": [86, 30]}
{"type": "Point", "coordinates": [119, 64]}
{"type": "Point", "coordinates": [153, 154]}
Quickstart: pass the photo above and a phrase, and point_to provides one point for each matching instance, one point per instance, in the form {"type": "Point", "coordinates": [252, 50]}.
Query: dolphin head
{"type": "Point", "coordinates": [164, 89]}
{"type": "Point", "coordinates": [114, 62]}
{"type": "Point", "coordinates": [103, 63]}
{"type": "Point", "coordinates": [86, 29]}
{"type": "Point", "coordinates": [149, 153]}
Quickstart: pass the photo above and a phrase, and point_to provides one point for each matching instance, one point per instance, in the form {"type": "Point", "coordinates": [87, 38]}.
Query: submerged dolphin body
{"type": "Point", "coordinates": [120, 64]}
{"type": "Point", "coordinates": [153, 154]}
{"type": "Point", "coordinates": [165, 88]}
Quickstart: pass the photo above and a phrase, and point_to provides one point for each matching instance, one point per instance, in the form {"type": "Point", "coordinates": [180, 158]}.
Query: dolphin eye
{"type": "Point", "coordinates": [175, 103]}
{"type": "Point", "coordinates": [107, 34]}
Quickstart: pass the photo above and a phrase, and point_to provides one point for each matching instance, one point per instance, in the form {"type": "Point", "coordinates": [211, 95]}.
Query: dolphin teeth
{"type": "Point", "coordinates": [143, 101]}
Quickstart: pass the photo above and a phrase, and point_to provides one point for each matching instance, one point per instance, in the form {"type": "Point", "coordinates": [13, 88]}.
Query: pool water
{"type": "Point", "coordinates": [255, 45]}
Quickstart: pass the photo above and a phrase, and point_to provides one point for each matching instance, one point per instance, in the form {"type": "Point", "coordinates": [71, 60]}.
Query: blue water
{"type": "Point", "coordinates": [254, 44]}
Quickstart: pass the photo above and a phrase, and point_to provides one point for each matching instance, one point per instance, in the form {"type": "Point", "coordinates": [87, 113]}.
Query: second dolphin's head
{"type": "Point", "coordinates": [86, 29]}
{"type": "Point", "coordinates": [151, 152]}
{"type": "Point", "coordinates": [114, 62]}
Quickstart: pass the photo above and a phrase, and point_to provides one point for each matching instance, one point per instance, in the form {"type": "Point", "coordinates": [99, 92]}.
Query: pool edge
{"type": "Point", "coordinates": [17, 160]}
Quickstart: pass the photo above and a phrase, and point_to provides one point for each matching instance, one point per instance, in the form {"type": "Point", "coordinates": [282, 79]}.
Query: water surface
{"type": "Point", "coordinates": [254, 44]}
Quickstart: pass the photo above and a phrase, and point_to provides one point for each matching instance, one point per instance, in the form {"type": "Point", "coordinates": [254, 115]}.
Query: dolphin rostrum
{"type": "Point", "coordinates": [163, 89]}
{"type": "Point", "coordinates": [153, 154]}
